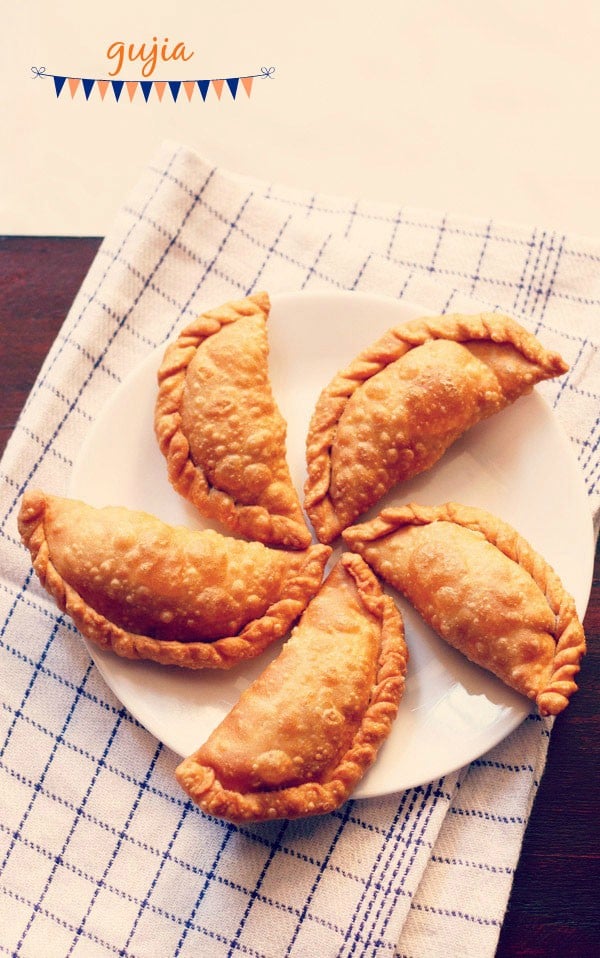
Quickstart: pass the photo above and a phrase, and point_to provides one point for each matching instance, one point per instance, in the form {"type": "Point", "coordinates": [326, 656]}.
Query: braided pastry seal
{"type": "Point", "coordinates": [305, 732]}
{"type": "Point", "coordinates": [220, 430]}
{"type": "Point", "coordinates": [483, 589]}
{"type": "Point", "coordinates": [148, 590]}
{"type": "Point", "coordinates": [395, 410]}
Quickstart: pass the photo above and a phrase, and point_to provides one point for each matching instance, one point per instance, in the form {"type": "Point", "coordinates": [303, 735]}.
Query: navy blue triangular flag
{"type": "Point", "coordinates": [203, 86]}
{"type": "Point", "coordinates": [146, 86]}
{"type": "Point", "coordinates": [59, 83]}
{"type": "Point", "coordinates": [232, 83]}
{"type": "Point", "coordinates": [88, 86]}
{"type": "Point", "coordinates": [174, 88]}
{"type": "Point", "coordinates": [117, 86]}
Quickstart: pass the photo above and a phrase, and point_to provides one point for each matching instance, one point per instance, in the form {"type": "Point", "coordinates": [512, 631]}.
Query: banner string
{"type": "Point", "coordinates": [117, 85]}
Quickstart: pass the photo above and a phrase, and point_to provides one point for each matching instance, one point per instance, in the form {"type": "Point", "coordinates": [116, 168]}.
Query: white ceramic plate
{"type": "Point", "coordinates": [518, 464]}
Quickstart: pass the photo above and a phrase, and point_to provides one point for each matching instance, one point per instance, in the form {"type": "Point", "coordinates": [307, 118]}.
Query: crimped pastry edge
{"type": "Point", "coordinates": [188, 478]}
{"type": "Point", "coordinates": [568, 631]}
{"type": "Point", "coordinates": [317, 798]}
{"type": "Point", "coordinates": [223, 653]}
{"type": "Point", "coordinates": [395, 343]}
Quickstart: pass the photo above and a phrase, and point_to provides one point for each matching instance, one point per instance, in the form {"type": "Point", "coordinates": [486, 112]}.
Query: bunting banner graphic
{"type": "Point", "coordinates": [184, 89]}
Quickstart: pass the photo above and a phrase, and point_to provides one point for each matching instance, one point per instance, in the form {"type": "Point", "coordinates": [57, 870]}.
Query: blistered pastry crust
{"type": "Point", "coordinates": [322, 792]}
{"type": "Point", "coordinates": [351, 470]}
{"type": "Point", "coordinates": [566, 629]}
{"type": "Point", "coordinates": [214, 411]}
{"type": "Point", "coordinates": [296, 586]}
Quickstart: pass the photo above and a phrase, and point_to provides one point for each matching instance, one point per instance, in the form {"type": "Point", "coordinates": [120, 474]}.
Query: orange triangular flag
{"type": "Point", "coordinates": [189, 86]}
{"type": "Point", "coordinates": [247, 84]}
{"type": "Point", "coordinates": [159, 86]}
{"type": "Point", "coordinates": [132, 86]}
{"type": "Point", "coordinates": [218, 85]}
{"type": "Point", "coordinates": [103, 87]}
{"type": "Point", "coordinates": [73, 84]}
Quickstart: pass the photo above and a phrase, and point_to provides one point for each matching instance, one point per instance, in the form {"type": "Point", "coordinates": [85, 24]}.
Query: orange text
{"type": "Point", "coordinates": [120, 52]}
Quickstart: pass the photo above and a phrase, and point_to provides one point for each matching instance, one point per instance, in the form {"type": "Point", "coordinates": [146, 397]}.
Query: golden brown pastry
{"type": "Point", "coordinates": [219, 427]}
{"type": "Point", "coordinates": [304, 733]}
{"type": "Point", "coordinates": [483, 588]}
{"type": "Point", "coordinates": [393, 412]}
{"type": "Point", "coordinates": [147, 590]}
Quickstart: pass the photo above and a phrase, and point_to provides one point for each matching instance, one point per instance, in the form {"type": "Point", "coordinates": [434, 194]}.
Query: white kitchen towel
{"type": "Point", "coordinates": [100, 851]}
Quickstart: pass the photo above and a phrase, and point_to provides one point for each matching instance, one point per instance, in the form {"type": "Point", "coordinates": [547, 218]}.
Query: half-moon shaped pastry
{"type": "Point", "coordinates": [395, 410]}
{"type": "Point", "coordinates": [484, 590]}
{"type": "Point", "coordinates": [220, 429]}
{"type": "Point", "coordinates": [148, 590]}
{"type": "Point", "coordinates": [304, 733]}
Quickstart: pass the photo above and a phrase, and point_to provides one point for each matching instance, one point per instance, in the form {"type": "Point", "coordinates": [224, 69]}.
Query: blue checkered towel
{"type": "Point", "coordinates": [101, 853]}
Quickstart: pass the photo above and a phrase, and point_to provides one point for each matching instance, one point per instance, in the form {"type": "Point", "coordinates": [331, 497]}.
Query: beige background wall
{"type": "Point", "coordinates": [474, 106]}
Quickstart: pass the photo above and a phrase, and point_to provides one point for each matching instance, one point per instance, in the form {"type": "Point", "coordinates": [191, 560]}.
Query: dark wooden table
{"type": "Point", "coordinates": [553, 909]}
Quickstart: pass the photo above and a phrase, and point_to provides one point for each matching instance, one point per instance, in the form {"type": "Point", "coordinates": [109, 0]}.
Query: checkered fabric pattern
{"type": "Point", "coordinates": [100, 851]}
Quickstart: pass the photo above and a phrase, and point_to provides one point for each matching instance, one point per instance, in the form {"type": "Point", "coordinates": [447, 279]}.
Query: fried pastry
{"type": "Point", "coordinates": [395, 410]}
{"type": "Point", "coordinates": [304, 733]}
{"type": "Point", "coordinates": [148, 590]}
{"type": "Point", "coordinates": [484, 590]}
{"type": "Point", "coordinates": [220, 429]}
